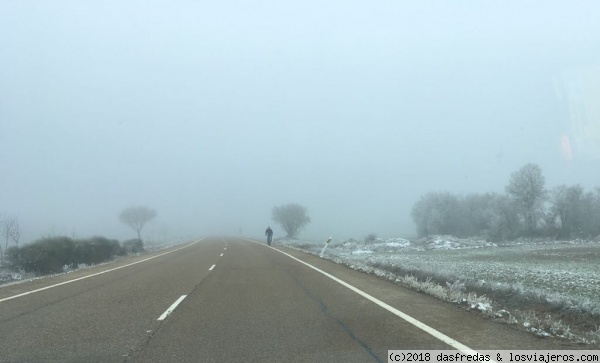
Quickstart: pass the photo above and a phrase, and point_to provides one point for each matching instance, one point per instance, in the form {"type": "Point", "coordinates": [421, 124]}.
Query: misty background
{"type": "Point", "coordinates": [212, 113]}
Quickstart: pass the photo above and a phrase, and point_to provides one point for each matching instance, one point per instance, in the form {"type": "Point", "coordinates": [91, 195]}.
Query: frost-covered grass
{"type": "Point", "coordinates": [550, 288]}
{"type": "Point", "coordinates": [8, 276]}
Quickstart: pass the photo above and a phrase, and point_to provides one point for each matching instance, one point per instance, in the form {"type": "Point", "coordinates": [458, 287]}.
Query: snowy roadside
{"type": "Point", "coordinates": [549, 288]}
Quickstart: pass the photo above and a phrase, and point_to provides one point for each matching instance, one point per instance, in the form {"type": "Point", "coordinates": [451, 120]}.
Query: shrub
{"type": "Point", "coordinates": [97, 250]}
{"type": "Point", "coordinates": [133, 246]}
{"type": "Point", "coordinates": [50, 255]}
{"type": "Point", "coordinates": [371, 238]}
{"type": "Point", "coordinates": [44, 256]}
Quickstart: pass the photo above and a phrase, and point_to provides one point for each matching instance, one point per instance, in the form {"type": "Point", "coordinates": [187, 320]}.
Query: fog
{"type": "Point", "coordinates": [212, 113]}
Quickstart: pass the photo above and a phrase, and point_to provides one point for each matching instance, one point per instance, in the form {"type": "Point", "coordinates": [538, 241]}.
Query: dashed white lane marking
{"type": "Point", "coordinates": [426, 328]}
{"type": "Point", "coordinates": [211, 267]}
{"type": "Point", "coordinates": [171, 308]}
{"type": "Point", "coordinates": [92, 275]}
{"type": "Point", "coordinates": [221, 255]}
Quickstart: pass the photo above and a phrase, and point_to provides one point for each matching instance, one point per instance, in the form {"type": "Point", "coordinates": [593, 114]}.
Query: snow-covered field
{"type": "Point", "coordinates": [564, 275]}
{"type": "Point", "coordinates": [569, 268]}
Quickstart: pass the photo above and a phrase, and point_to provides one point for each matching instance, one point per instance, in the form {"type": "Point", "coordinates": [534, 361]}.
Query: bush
{"type": "Point", "coordinates": [97, 250]}
{"type": "Point", "coordinates": [370, 238]}
{"type": "Point", "coordinates": [133, 246]}
{"type": "Point", "coordinates": [50, 255]}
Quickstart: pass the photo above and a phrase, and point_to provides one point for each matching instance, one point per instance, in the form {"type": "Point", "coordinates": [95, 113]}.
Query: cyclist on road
{"type": "Point", "coordinates": [269, 234]}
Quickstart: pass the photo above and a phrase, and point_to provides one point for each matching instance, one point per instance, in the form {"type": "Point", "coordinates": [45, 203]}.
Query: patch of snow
{"type": "Point", "coordinates": [443, 242]}
{"type": "Point", "coordinates": [539, 332]}
{"type": "Point", "coordinates": [361, 252]}
{"type": "Point", "coordinates": [483, 307]}
{"type": "Point", "coordinates": [502, 313]}
{"type": "Point", "coordinates": [397, 242]}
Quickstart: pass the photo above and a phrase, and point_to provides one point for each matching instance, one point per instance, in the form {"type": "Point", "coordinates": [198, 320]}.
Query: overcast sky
{"type": "Point", "coordinates": [213, 112]}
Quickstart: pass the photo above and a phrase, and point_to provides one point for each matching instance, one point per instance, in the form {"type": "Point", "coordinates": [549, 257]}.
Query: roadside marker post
{"type": "Point", "coordinates": [325, 247]}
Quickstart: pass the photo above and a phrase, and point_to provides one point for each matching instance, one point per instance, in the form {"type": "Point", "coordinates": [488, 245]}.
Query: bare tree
{"type": "Point", "coordinates": [136, 218]}
{"type": "Point", "coordinates": [567, 204]}
{"type": "Point", "coordinates": [576, 213]}
{"type": "Point", "coordinates": [591, 212]}
{"type": "Point", "coordinates": [504, 220]}
{"type": "Point", "coordinates": [526, 188]}
{"type": "Point", "coordinates": [292, 217]}
{"type": "Point", "coordinates": [9, 230]}
{"type": "Point", "coordinates": [437, 213]}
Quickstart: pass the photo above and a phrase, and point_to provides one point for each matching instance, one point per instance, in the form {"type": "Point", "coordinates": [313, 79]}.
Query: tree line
{"type": "Point", "coordinates": [527, 209]}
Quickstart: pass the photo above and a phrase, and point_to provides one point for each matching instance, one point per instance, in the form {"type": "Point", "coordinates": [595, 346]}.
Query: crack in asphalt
{"type": "Point", "coordinates": [325, 310]}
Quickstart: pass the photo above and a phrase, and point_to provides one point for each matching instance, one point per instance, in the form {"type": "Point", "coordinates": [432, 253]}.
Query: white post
{"type": "Point", "coordinates": [325, 247]}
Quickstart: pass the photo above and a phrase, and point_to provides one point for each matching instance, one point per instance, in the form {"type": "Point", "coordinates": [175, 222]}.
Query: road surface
{"type": "Point", "coordinates": [233, 299]}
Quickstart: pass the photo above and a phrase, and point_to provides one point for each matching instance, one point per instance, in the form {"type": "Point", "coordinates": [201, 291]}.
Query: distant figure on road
{"type": "Point", "coordinates": [269, 234]}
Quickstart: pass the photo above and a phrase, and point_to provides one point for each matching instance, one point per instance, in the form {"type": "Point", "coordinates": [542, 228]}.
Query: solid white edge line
{"type": "Point", "coordinates": [96, 274]}
{"type": "Point", "coordinates": [426, 328]}
{"type": "Point", "coordinates": [171, 308]}
{"type": "Point", "coordinates": [211, 267]}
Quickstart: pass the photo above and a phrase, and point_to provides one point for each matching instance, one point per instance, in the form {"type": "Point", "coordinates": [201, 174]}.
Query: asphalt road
{"type": "Point", "coordinates": [238, 301]}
